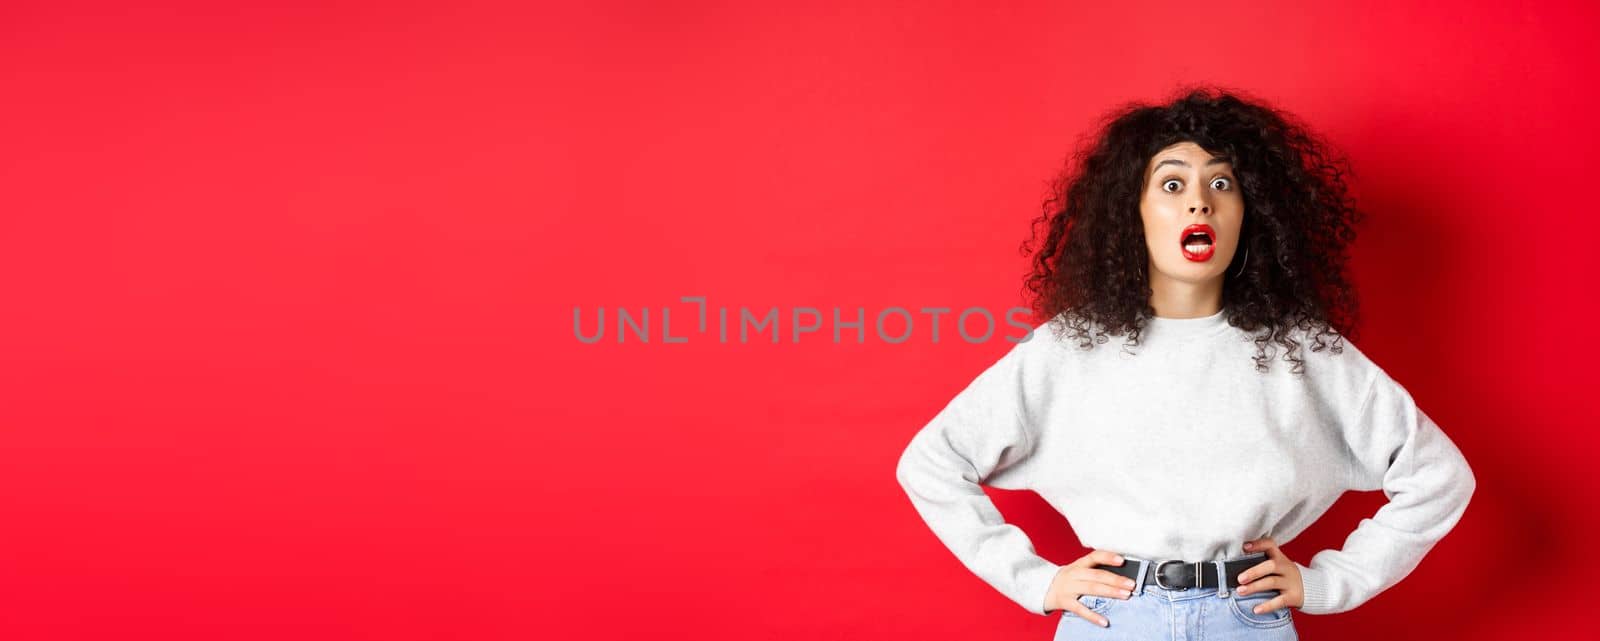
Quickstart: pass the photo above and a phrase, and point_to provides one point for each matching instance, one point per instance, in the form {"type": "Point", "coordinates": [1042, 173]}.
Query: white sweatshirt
{"type": "Point", "coordinates": [1183, 450]}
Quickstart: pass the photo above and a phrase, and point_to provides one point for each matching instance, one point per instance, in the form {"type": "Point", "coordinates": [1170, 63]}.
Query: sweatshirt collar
{"type": "Point", "coordinates": [1188, 326]}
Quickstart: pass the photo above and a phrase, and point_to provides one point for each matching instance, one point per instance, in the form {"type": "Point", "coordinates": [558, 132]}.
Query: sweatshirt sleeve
{"type": "Point", "coordinates": [982, 436]}
{"type": "Point", "coordinates": [1395, 447]}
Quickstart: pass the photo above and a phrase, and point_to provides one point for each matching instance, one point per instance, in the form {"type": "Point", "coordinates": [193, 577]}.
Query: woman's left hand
{"type": "Point", "coordinates": [1276, 573]}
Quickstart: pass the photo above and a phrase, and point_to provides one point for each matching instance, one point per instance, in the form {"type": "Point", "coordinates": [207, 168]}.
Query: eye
{"type": "Point", "coordinates": [1171, 181]}
{"type": "Point", "coordinates": [1227, 183]}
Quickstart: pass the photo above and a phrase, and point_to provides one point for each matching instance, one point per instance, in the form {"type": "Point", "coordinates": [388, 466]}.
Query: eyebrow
{"type": "Point", "coordinates": [1174, 161]}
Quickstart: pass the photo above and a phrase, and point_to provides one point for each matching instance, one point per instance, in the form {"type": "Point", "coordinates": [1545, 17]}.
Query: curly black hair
{"type": "Point", "coordinates": [1091, 268]}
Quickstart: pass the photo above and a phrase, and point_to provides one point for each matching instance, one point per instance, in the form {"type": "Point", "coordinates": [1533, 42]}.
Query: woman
{"type": "Point", "coordinates": [1206, 233]}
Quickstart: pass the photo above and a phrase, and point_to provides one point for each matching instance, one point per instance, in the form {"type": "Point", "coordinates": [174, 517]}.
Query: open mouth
{"type": "Point", "coordinates": [1198, 241]}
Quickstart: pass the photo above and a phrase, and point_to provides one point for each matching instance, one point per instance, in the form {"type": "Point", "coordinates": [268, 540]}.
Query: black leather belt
{"type": "Point", "coordinates": [1183, 575]}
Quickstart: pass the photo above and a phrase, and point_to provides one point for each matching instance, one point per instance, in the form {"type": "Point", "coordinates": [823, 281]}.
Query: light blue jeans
{"type": "Point", "coordinates": [1195, 614]}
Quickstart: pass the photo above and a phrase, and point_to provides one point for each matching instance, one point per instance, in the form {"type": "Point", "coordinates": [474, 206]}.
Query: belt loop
{"type": "Point", "coordinates": [1222, 580]}
{"type": "Point", "coordinates": [1144, 569]}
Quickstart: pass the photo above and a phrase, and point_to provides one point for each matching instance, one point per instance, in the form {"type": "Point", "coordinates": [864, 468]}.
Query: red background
{"type": "Point", "coordinates": [288, 346]}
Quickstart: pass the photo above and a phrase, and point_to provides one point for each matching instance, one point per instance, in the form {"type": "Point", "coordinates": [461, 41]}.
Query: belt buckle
{"type": "Point", "coordinates": [1171, 587]}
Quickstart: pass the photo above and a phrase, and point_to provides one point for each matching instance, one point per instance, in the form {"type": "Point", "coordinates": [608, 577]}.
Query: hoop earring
{"type": "Point", "coordinates": [1243, 262]}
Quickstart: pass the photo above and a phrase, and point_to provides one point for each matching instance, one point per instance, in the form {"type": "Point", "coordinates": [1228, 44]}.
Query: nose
{"type": "Point", "coordinates": [1199, 209]}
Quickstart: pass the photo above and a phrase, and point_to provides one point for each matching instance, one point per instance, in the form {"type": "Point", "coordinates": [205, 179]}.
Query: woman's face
{"type": "Point", "coordinates": [1189, 192]}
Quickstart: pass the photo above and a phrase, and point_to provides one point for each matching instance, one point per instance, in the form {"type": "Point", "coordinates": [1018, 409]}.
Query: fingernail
{"type": "Point", "coordinates": [1249, 545]}
{"type": "Point", "coordinates": [1104, 623]}
{"type": "Point", "coordinates": [1119, 558]}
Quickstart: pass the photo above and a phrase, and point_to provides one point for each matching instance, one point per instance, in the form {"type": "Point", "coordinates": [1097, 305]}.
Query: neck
{"type": "Point", "coordinates": [1182, 299]}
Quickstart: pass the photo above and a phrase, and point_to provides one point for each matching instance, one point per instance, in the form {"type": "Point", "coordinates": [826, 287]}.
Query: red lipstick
{"type": "Point", "coordinates": [1204, 254]}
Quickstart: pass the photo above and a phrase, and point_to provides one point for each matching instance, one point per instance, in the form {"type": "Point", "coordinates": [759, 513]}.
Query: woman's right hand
{"type": "Point", "coordinates": [1080, 577]}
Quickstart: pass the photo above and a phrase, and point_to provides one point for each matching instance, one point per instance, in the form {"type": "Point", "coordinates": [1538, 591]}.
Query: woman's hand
{"type": "Point", "coordinates": [1275, 573]}
{"type": "Point", "coordinates": [1079, 578]}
